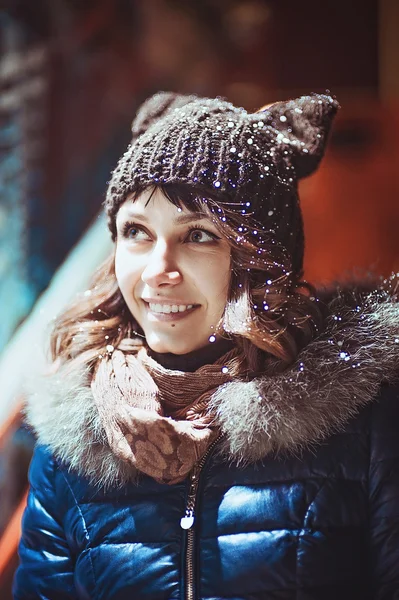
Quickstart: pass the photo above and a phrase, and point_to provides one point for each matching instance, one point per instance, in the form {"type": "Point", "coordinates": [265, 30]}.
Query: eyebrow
{"type": "Point", "coordinates": [180, 219]}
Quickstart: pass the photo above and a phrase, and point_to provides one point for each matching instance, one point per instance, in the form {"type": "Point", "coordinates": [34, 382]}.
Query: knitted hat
{"type": "Point", "coordinates": [251, 160]}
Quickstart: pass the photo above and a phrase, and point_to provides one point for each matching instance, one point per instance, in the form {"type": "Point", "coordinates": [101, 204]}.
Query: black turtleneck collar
{"type": "Point", "coordinates": [192, 361]}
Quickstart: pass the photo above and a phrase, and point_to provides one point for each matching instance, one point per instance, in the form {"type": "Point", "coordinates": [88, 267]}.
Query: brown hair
{"type": "Point", "coordinates": [267, 313]}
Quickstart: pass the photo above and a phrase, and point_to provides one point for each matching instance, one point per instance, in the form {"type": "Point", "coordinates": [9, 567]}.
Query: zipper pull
{"type": "Point", "coordinates": [187, 521]}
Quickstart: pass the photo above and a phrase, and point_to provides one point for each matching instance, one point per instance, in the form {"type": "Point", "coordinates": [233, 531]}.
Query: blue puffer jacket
{"type": "Point", "coordinates": [299, 521]}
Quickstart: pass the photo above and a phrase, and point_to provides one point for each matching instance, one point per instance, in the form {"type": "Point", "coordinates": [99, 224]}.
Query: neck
{"type": "Point", "coordinates": [192, 361]}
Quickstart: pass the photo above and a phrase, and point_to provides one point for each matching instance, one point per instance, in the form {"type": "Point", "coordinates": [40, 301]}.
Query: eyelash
{"type": "Point", "coordinates": [129, 225]}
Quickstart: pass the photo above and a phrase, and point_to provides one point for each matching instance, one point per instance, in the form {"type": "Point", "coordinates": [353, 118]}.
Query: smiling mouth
{"type": "Point", "coordinates": [170, 309]}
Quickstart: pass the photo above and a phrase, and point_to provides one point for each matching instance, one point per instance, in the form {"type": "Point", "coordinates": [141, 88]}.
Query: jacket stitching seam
{"type": "Point", "coordinates": [304, 528]}
{"type": "Point", "coordinates": [322, 478]}
{"type": "Point", "coordinates": [84, 526]}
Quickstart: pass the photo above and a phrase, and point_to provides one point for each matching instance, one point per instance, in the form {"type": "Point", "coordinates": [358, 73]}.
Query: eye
{"type": "Point", "coordinates": [134, 232]}
{"type": "Point", "coordinates": [200, 236]}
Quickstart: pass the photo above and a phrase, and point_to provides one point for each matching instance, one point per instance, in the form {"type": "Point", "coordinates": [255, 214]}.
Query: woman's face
{"type": "Point", "coordinates": [173, 270]}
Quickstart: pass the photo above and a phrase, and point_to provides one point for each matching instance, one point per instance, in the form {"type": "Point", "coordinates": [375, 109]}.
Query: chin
{"type": "Point", "coordinates": [177, 347]}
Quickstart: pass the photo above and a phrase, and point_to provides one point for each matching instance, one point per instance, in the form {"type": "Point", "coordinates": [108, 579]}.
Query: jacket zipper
{"type": "Point", "coordinates": [187, 522]}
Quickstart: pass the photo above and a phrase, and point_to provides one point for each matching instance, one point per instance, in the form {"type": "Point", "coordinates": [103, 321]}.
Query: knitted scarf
{"type": "Point", "coordinates": [157, 419]}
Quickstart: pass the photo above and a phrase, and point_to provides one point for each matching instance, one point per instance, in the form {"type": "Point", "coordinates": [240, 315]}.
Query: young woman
{"type": "Point", "coordinates": [211, 428]}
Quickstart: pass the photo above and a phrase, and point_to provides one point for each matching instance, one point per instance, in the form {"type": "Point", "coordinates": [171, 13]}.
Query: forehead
{"type": "Point", "coordinates": [153, 204]}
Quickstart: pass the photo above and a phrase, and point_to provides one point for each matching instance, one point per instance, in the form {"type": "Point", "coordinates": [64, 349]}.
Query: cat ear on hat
{"type": "Point", "coordinates": [156, 107]}
{"type": "Point", "coordinates": [304, 125]}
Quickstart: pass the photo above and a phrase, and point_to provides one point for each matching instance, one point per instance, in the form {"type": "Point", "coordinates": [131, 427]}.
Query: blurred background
{"type": "Point", "coordinates": [72, 74]}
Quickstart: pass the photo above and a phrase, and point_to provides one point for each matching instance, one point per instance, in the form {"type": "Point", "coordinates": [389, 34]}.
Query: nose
{"type": "Point", "coordinates": [161, 268]}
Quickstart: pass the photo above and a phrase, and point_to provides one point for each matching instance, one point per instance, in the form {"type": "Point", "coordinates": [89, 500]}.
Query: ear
{"type": "Point", "coordinates": [304, 124]}
{"type": "Point", "coordinates": [156, 107]}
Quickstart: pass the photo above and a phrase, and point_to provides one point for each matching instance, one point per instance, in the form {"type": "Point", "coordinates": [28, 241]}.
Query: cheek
{"type": "Point", "coordinates": [119, 269]}
{"type": "Point", "coordinates": [216, 280]}
{"type": "Point", "coordinates": [127, 271]}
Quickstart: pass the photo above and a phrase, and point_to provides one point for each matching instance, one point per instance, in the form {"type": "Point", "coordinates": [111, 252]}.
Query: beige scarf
{"type": "Point", "coordinates": [155, 418]}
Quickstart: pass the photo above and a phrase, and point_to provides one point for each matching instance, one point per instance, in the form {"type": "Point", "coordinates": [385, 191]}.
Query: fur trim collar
{"type": "Point", "coordinates": [334, 376]}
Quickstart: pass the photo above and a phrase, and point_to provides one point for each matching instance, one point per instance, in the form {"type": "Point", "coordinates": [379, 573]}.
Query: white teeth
{"type": "Point", "coordinates": [168, 308]}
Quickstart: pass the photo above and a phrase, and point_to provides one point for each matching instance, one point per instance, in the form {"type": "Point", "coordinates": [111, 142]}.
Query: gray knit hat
{"type": "Point", "coordinates": [251, 160]}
